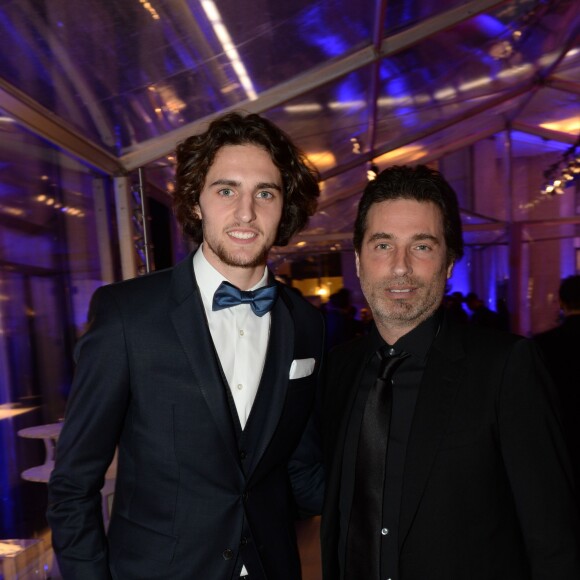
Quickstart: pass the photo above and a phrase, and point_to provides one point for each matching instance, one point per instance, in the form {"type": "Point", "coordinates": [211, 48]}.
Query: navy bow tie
{"type": "Point", "coordinates": [261, 300]}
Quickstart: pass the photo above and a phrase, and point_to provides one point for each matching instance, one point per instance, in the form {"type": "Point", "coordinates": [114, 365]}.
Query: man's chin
{"type": "Point", "coordinates": [402, 312]}
{"type": "Point", "coordinates": [242, 260]}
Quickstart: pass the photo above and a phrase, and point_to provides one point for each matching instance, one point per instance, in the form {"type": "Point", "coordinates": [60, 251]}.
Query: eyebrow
{"type": "Point", "coordinates": [233, 183]}
{"type": "Point", "coordinates": [416, 238]}
{"type": "Point", "coordinates": [268, 185]}
{"type": "Point", "coordinates": [229, 182]}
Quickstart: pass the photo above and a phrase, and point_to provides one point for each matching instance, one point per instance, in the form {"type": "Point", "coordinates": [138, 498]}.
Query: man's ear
{"type": "Point", "coordinates": [357, 264]}
{"type": "Point", "coordinates": [450, 270]}
{"type": "Point", "coordinates": [196, 211]}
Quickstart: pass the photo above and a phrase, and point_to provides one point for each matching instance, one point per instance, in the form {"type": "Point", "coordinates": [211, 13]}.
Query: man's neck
{"type": "Point", "coordinates": [391, 334]}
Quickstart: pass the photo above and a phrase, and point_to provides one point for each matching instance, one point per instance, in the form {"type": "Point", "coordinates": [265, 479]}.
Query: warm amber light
{"type": "Point", "coordinates": [569, 125]}
{"type": "Point", "coordinates": [322, 291]}
{"type": "Point", "coordinates": [402, 154]}
{"type": "Point", "coordinates": [322, 159]}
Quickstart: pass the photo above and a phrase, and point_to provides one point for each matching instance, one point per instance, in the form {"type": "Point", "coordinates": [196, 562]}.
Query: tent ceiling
{"type": "Point", "coordinates": [119, 83]}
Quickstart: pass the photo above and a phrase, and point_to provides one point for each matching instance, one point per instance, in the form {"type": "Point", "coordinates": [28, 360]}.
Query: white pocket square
{"type": "Point", "coordinates": [301, 367]}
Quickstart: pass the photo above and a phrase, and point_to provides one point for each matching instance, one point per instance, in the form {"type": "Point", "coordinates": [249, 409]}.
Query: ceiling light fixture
{"type": "Point", "coordinates": [214, 16]}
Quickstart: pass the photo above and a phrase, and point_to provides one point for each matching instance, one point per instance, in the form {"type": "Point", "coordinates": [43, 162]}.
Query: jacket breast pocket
{"type": "Point", "coordinates": [304, 383]}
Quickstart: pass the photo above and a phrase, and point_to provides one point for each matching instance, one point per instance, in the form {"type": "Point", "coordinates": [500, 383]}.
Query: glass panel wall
{"type": "Point", "coordinates": [51, 260]}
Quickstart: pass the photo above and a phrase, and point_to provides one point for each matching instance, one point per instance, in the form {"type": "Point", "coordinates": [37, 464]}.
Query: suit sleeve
{"type": "Point", "coordinates": [306, 471]}
{"type": "Point", "coordinates": [538, 466]}
{"type": "Point", "coordinates": [93, 422]}
{"type": "Point", "coordinates": [305, 467]}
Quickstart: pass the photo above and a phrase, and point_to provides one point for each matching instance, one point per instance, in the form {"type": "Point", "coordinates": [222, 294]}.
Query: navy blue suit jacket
{"type": "Point", "coordinates": [187, 503]}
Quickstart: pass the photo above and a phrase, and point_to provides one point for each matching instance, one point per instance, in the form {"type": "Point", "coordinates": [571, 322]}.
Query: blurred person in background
{"type": "Point", "coordinates": [561, 349]}
{"type": "Point", "coordinates": [341, 325]}
{"type": "Point", "coordinates": [481, 315]}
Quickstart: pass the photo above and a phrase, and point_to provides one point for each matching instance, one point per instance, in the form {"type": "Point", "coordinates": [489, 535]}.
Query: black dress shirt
{"type": "Point", "coordinates": [406, 383]}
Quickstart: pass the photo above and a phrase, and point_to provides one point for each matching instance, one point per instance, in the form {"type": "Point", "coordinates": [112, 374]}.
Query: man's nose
{"type": "Point", "coordinates": [401, 262]}
{"type": "Point", "coordinates": [245, 211]}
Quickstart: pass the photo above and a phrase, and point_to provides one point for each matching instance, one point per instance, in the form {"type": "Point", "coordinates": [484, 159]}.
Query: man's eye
{"type": "Point", "coordinates": [382, 246]}
{"type": "Point", "coordinates": [226, 192]}
{"type": "Point", "coordinates": [423, 247]}
{"type": "Point", "coordinates": [265, 195]}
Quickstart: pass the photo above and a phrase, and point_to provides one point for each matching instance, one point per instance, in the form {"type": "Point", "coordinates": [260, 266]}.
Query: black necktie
{"type": "Point", "coordinates": [261, 300]}
{"type": "Point", "coordinates": [363, 545]}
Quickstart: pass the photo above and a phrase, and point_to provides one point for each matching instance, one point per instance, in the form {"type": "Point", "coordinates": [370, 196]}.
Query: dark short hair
{"type": "Point", "coordinates": [419, 183]}
{"type": "Point", "coordinates": [570, 292]}
{"type": "Point", "coordinates": [196, 154]}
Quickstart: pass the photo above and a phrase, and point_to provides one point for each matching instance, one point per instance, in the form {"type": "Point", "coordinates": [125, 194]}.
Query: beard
{"type": "Point", "coordinates": [231, 259]}
{"type": "Point", "coordinates": [235, 259]}
{"type": "Point", "coordinates": [403, 312]}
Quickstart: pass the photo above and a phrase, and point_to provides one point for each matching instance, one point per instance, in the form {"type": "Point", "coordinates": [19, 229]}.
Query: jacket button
{"type": "Point", "coordinates": [244, 541]}
{"type": "Point", "coordinates": [245, 496]}
{"type": "Point", "coordinates": [228, 554]}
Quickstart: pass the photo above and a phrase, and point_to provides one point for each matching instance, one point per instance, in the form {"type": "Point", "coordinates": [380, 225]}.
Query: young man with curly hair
{"type": "Point", "coordinates": [204, 378]}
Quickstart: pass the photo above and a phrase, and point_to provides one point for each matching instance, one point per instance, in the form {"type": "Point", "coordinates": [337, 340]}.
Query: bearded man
{"type": "Point", "coordinates": [444, 450]}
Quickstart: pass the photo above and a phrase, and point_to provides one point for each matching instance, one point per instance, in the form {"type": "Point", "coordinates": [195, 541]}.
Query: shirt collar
{"type": "Point", "coordinates": [208, 278]}
{"type": "Point", "coordinates": [416, 342]}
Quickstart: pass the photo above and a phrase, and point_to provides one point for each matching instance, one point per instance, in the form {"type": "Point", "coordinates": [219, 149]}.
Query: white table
{"type": "Point", "coordinates": [49, 433]}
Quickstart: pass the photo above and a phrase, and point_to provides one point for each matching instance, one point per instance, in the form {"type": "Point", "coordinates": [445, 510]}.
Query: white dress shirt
{"type": "Point", "coordinates": [240, 337]}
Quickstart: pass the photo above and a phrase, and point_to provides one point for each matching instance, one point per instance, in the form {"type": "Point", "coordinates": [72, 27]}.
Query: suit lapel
{"type": "Point", "coordinates": [274, 380]}
{"type": "Point", "coordinates": [189, 321]}
{"type": "Point", "coordinates": [441, 380]}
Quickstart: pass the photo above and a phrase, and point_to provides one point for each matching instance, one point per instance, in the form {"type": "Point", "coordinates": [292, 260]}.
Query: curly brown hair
{"type": "Point", "coordinates": [196, 154]}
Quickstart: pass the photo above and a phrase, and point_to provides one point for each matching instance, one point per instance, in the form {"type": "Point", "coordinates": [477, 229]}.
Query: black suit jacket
{"type": "Point", "coordinates": [487, 492]}
{"type": "Point", "coordinates": [561, 349]}
{"type": "Point", "coordinates": [188, 503]}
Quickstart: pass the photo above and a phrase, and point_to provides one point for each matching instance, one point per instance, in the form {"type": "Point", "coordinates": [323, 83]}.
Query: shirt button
{"type": "Point", "coordinates": [244, 541]}
{"type": "Point", "coordinates": [391, 351]}
{"type": "Point", "coordinates": [240, 386]}
{"type": "Point", "coordinates": [385, 531]}
{"type": "Point", "coordinates": [228, 554]}
{"type": "Point", "coordinates": [242, 455]}
{"type": "Point", "coordinates": [241, 333]}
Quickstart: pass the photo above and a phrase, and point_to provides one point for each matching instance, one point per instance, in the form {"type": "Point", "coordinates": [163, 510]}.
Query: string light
{"type": "Point", "coordinates": [147, 5]}
{"type": "Point", "coordinates": [67, 209]}
{"type": "Point", "coordinates": [562, 173]}
{"type": "Point", "coordinates": [372, 171]}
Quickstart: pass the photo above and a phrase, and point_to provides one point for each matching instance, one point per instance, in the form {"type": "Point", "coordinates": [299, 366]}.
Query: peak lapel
{"type": "Point", "coordinates": [190, 323]}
